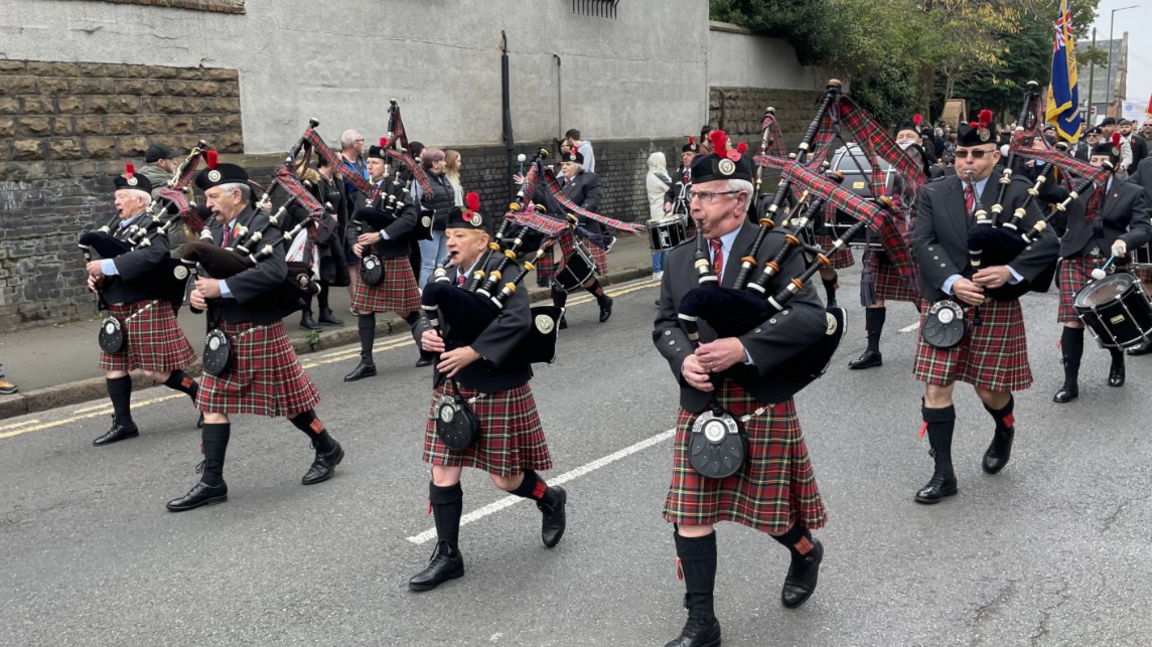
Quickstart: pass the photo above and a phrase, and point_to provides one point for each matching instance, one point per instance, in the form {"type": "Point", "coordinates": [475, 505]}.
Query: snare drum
{"type": "Point", "coordinates": [1117, 310]}
{"type": "Point", "coordinates": [578, 268]}
{"type": "Point", "coordinates": [666, 233]}
{"type": "Point", "coordinates": [1141, 255]}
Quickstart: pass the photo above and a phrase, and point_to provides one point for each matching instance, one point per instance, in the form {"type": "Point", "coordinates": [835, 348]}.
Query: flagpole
{"type": "Point", "coordinates": [1111, 44]}
{"type": "Point", "coordinates": [1092, 85]}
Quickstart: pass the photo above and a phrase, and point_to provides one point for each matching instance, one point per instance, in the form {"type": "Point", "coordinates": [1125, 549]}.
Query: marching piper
{"type": "Point", "coordinates": [494, 384]}
{"type": "Point", "coordinates": [1122, 224]}
{"type": "Point", "coordinates": [152, 340]}
{"type": "Point", "coordinates": [263, 376]}
{"type": "Point", "coordinates": [775, 490]}
{"type": "Point", "coordinates": [992, 355]}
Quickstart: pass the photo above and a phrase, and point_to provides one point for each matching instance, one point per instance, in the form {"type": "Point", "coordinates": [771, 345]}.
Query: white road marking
{"type": "Point", "coordinates": [911, 327]}
{"type": "Point", "coordinates": [497, 506]}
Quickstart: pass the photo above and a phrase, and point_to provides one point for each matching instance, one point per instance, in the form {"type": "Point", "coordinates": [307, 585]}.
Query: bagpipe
{"type": "Point", "coordinates": [528, 187]}
{"type": "Point", "coordinates": [470, 310]}
{"type": "Point", "coordinates": [167, 209]}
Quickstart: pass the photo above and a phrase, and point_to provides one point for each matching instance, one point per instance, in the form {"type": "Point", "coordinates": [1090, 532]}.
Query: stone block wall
{"type": "Point", "coordinates": [738, 111]}
{"type": "Point", "coordinates": [223, 6]}
{"type": "Point", "coordinates": [71, 119]}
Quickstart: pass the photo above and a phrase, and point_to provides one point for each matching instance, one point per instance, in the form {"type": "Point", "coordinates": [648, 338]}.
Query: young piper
{"type": "Point", "coordinates": [511, 446]}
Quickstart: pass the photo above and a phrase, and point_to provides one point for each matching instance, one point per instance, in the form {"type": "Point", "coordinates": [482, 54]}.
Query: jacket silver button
{"type": "Point", "coordinates": [772, 321]}
{"type": "Point", "coordinates": [667, 332]}
{"type": "Point", "coordinates": [758, 330]}
{"type": "Point", "coordinates": [671, 342]}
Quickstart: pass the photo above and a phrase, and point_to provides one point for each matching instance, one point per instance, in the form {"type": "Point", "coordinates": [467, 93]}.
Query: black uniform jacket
{"type": "Point", "coordinates": [1124, 215]}
{"type": "Point", "coordinates": [492, 373]}
{"type": "Point", "coordinates": [1143, 177]}
{"type": "Point", "coordinates": [136, 269]}
{"type": "Point", "coordinates": [770, 345]}
{"type": "Point", "coordinates": [678, 188]}
{"type": "Point", "coordinates": [267, 275]}
{"type": "Point", "coordinates": [399, 231]}
{"type": "Point", "coordinates": [940, 236]}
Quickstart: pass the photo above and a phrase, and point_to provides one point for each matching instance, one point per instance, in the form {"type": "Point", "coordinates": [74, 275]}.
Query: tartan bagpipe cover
{"type": "Point", "coordinates": [313, 142]}
{"type": "Point", "coordinates": [557, 193]}
{"type": "Point", "coordinates": [415, 169]}
{"type": "Point", "coordinates": [1072, 167]}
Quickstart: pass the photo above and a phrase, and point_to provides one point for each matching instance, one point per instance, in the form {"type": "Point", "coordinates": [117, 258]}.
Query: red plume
{"type": "Point", "coordinates": [985, 118]}
{"type": "Point", "coordinates": [917, 119]}
{"type": "Point", "coordinates": [129, 170]}
{"type": "Point", "coordinates": [383, 142]}
{"type": "Point", "coordinates": [473, 201]}
{"type": "Point", "coordinates": [691, 141]}
{"type": "Point", "coordinates": [719, 140]}
{"type": "Point", "coordinates": [741, 147]}
{"type": "Point", "coordinates": [1116, 140]}
{"type": "Point", "coordinates": [212, 159]}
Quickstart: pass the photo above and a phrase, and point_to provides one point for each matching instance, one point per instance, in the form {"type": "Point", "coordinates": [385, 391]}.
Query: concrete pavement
{"type": "Point", "coordinates": [1053, 551]}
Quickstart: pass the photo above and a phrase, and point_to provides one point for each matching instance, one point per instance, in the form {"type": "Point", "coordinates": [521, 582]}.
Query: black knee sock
{"type": "Point", "coordinates": [214, 444]}
{"type": "Point", "coordinates": [367, 325]}
{"type": "Point", "coordinates": [874, 322]}
{"type": "Point", "coordinates": [797, 540]}
{"type": "Point", "coordinates": [120, 393]}
{"type": "Point", "coordinates": [1117, 356]}
{"type": "Point", "coordinates": [830, 286]}
{"type": "Point", "coordinates": [1005, 421]}
{"type": "Point", "coordinates": [179, 381]}
{"type": "Point", "coordinates": [315, 430]}
{"type": "Point", "coordinates": [307, 305]}
{"type": "Point", "coordinates": [697, 561]}
{"type": "Point", "coordinates": [559, 297]}
{"type": "Point", "coordinates": [533, 487]}
{"type": "Point", "coordinates": [595, 290]}
{"type": "Point", "coordinates": [322, 298]}
{"type": "Point", "coordinates": [941, 423]}
{"type": "Point", "coordinates": [447, 506]}
{"type": "Point", "coordinates": [412, 317]}
{"type": "Point", "coordinates": [1072, 349]}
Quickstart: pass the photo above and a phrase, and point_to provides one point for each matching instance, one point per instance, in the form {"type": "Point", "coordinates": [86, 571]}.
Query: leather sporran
{"type": "Point", "coordinates": [217, 353]}
{"type": "Point", "coordinates": [111, 336]}
{"type": "Point", "coordinates": [716, 446]}
{"type": "Point", "coordinates": [944, 325]}
{"type": "Point", "coordinates": [457, 424]}
{"type": "Point", "coordinates": [371, 270]}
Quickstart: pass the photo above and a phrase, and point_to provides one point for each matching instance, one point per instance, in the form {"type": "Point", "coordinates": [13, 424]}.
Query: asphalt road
{"type": "Point", "coordinates": [1053, 551]}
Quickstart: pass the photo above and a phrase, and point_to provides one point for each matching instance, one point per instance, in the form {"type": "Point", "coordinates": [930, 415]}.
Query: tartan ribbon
{"type": "Point", "coordinates": [543, 223]}
{"type": "Point", "coordinates": [188, 215]}
{"type": "Point", "coordinates": [874, 139]}
{"type": "Point", "coordinates": [187, 172]}
{"type": "Point", "coordinates": [556, 192]}
{"type": "Point", "coordinates": [288, 181]}
{"type": "Point", "coordinates": [775, 145]}
{"type": "Point", "coordinates": [415, 169]}
{"type": "Point", "coordinates": [396, 130]}
{"type": "Point", "coordinates": [528, 188]}
{"type": "Point", "coordinates": [313, 142]}
{"type": "Point", "coordinates": [1073, 167]}
{"type": "Point", "coordinates": [877, 220]}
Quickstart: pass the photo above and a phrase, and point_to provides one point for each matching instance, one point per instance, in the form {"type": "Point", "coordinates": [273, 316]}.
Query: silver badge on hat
{"type": "Point", "coordinates": [475, 220]}
{"type": "Point", "coordinates": [727, 166]}
{"type": "Point", "coordinates": [132, 181]}
{"type": "Point", "coordinates": [214, 176]}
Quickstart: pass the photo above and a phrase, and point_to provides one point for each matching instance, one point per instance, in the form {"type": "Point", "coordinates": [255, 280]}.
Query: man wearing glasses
{"type": "Point", "coordinates": [993, 354]}
{"type": "Point", "coordinates": [774, 491]}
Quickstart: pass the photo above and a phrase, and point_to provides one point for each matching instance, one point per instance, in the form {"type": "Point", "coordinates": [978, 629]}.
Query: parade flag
{"type": "Point", "coordinates": [1063, 95]}
{"type": "Point", "coordinates": [1148, 110]}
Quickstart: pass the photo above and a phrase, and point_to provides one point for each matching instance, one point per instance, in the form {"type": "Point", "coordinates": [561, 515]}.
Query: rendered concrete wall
{"type": "Point", "coordinates": [639, 75]}
{"type": "Point", "coordinates": [737, 59]}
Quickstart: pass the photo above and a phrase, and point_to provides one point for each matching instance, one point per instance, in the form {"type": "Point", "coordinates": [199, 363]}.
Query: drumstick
{"type": "Point", "coordinates": [1101, 272]}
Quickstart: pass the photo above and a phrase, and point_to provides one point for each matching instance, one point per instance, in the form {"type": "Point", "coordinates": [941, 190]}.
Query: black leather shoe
{"type": "Point", "coordinates": [425, 360]}
{"type": "Point", "coordinates": [611, 244]}
{"type": "Point", "coordinates": [329, 319]}
{"type": "Point", "coordinates": [117, 433]}
{"type": "Point", "coordinates": [1142, 349]}
{"type": "Point", "coordinates": [1116, 375]}
{"type": "Point", "coordinates": [200, 421]}
{"type": "Point", "coordinates": [446, 564]}
{"type": "Point", "coordinates": [307, 322]}
{"type": "Point", "coordinates": [323, 465]}
{"type": "Point", "coordinates": [939, 486]}
{"type": "Point", "coordinates": [605, 308]}
{"type": "Point", "coordinates": [363, 369]}
{"type": "Point", "coordinates": [999, 451]}
{"type": "Point", "coordinates": [832, 304]}
{"type": "Point", "coordinates": [554, 519]}
{"type": "Point", "coordinates": [200, 494]}
{"type": "Point", "coordinates": [1067, 393]}
{"type": "Point", "coordinates": [563, 323]}
{"type": "Point", "coordinates": [698, 632]}
{"type": "Point", "coordinates": [869, 359]}
{"type": "Point", "coordinates": [800, 583]}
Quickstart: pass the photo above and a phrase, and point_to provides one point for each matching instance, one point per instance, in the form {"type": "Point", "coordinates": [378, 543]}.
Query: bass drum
{"type": "Point", "coordinates": [578, 269]}
{"type": "Point", "coordinates": [1117, 310]}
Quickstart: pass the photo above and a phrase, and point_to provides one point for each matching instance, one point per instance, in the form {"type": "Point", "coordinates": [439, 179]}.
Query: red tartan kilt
{"type": "Point", "coordinates": [993, 355]}
{"type": "Point", "coordinates": [1073, 276]}
{"type": "Point", "coordinates": [511, 436]}
{"type": "Point", "coordinates": [601, 258]}
{"type": "Point", "coordinates": [776, 487]}
{"type": "Point", "coordinates": [841, 259]}
{"type": "Point", "coordinates": [890, 284]}
{"type": "Point", "coordinates": [266, 378]}
{"type": "Point", "coordinates": [153, 340]}
{"type": "Point", "coordinates": [397, 291]}
{"type": "Point", "coordinates": [1144, 273]}
{"type": "Point", "coordinates": [546, 266]}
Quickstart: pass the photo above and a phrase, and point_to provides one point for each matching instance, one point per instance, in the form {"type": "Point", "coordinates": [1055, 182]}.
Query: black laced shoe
{"type": "Point", "coordinates": [446, 564]}
{"type": "Point", "coordinates": [119, 431]}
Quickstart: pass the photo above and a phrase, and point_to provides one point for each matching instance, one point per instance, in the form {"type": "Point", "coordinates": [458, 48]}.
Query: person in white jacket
{"type": "Point", "coordinates": [656, 184]}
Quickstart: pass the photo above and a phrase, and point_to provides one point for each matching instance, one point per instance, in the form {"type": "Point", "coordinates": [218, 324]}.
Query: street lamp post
{"type": "Point", "coordinates": [1111, 44]}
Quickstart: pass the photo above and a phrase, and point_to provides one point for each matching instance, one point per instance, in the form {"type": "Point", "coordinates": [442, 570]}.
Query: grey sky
{"type": "Point", "coordinates": [1138, 23]}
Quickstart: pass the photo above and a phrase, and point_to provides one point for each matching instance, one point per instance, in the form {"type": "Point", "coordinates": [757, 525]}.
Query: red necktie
{"type": "Point", "coordinates": [969, 199]}
{"type": "Point", "coordinates": [687, 175]}
{"type": "Point", "coordinates": [460, 281]}
{"type": "Point", "coordinates": [717, 257]}
{"type": "Point", "coordinates": [227, 235]}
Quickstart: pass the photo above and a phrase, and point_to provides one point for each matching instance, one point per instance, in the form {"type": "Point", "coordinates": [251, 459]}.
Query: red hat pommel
{"type": "Point", "coordinates": [473, 201]}
{"type": "Point", "coordinates": [972, 124]}
{"type": "Point", "coordinates": [212, 158]}
{"type": "Point", "coordinates": [917, 119]}
{"type": "Point", "coordinates": [383, 142]}
{"type": "Point", "coordinates": [742, 147]}
{"type": "Point", "coordinates": [985, 118]}
{"type": "Point", "coordinates": [719, 140]}
{"type": "Point", "coordinates": [1116, 140]}
{"type": "Point", "coordinates": [691, 141]}
{"type": "Point", "coordinates": [129, 170]}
